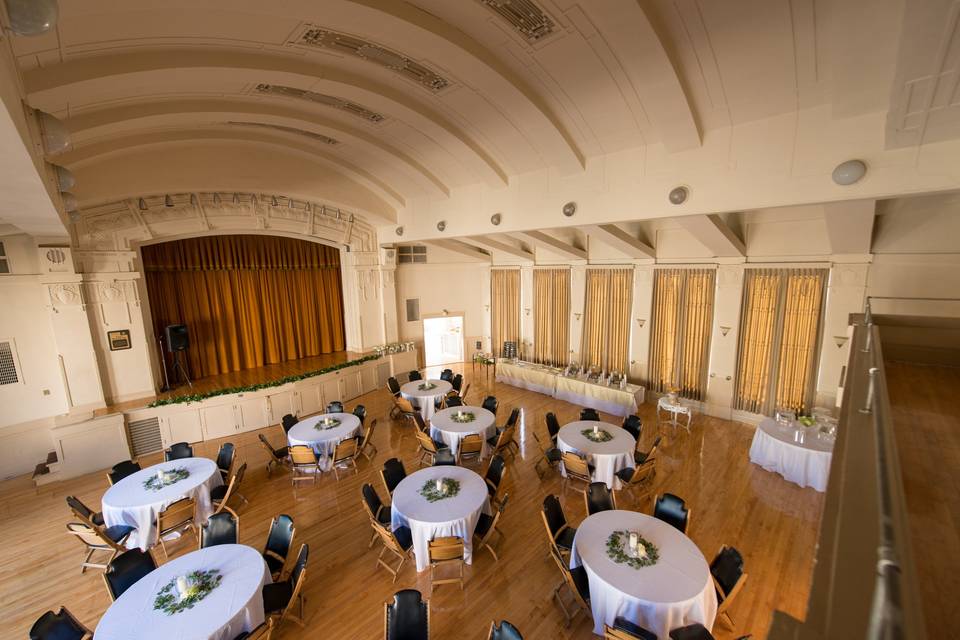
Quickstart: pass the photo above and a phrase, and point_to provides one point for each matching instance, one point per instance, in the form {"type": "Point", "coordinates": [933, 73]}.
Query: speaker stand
{"type": "Point", "coordinates": [163, 361]}
{"type": "Point", "coordinates": [178, 368]}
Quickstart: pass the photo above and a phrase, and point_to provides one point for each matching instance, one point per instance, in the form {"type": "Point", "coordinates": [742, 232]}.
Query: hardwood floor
{"type": "Point", "coordinates": [772, 522]}
{"type": "Point", "coordinates": [926, 420]}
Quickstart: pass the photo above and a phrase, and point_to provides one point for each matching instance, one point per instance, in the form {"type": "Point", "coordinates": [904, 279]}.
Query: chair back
{"type": "Point", "coordinates": [371, 500]}
{"type": "Point", "coordinates": [176, 514]}
{"type": "Point", "coordinates": [222, 527]}
{"type": "Point", "coordinates": [599, 498]}
{"type": "Point", "coordinates": [393, 385]}
{"type": "Point", "coordinates": [266, 445]}
{"type": "Point", "coordinates": [79, 509]}
{"type": "Point", "coordinates": [58, 626]}
{"type": "Point", "coordinates": [368, 433]}
{"type": "Point", "coordinates": [454, 401]}
{"type": "Point", "coordinates": [404, 405]}
{"type": "Point", "coordinates": [225, 456]}
{"type": "Point", "coordinates": [387, 538]}
{"type": "Point", "coordinates": [672, 510]}
{"type": "Point", "coordinates": [418, 418]}
{"type": "Point", "coordinates": [490, 403]}
{"type": "Point", "coordinates": [471, 444]}
{"type": "Point", "coordinates": [632, 425]}
{"type": "Point", "coordinates": [235, 481]}
{"type": "Point", "coordinates": [297, 573]}
{"type": "Point", "coordinates": [568, 577]}
{"type": "Point", "coordinates": [121, 470]}
{"type": "Point", "coordinates": [392, 473]}
{"type": "Point", "coordinates": [727, 569]}
{"type": "Point", "coordinates": [414, 376]}
{"type": "Point", "coordinates": [361, 412]}
{"type": "Point", "coordinates": [126, 569]}
{"type": "Point", "coordinates": [589, 414]}
{"type": "Point", "coordinates": [446, 548]}
{"type": "Point", "coordinates": [553, 426]}
{"type": "Point", "coordinates": [457, 382]}
{"type": "Point", "coordinates": [463, 394]}
{"type": "Point", "coordinates": [495, 469]}
{"type": "Point", "coordinates": [503, 630]}
{"type": "Point", "coordinates": [288, 421]}
{"type": "Point", "coordinates": [447, 375]}
{"type": "Point", "coordinates": [576, 465]}
{"type": "Point", "coordinates": [514, 417]}
{"type": "Point", "coordinates": [653, 449]}
{"type": "Point", "coordinates": [280, 537]}
{"type": "Point", "coordinates": [301, 454]}
{"type": "Point", "coordinates": [695, 631]}
{"type": "Point", "coordinates": [426, 442]}
{"type": "Point", "coordinates": [335, 407]}
{"type": "Point", "coordinates": [346, 449]}
{"type": "Point", "coordinates": [178, 451]}
{"type": "Point", "coordinates": [407, 617]}
{"type": "Point", "coordinates": [553, 516]}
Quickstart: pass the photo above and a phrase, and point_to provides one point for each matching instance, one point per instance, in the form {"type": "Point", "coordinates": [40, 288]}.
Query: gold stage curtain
{"type": "Point", "coordinates": [779, 335]}
{"type": "Point", "coordinates": [680, 333]}
{"type": "Point", "coordinates": [551, 316]}
{"type": "Point", "coordinates": [247, 301]}
{"type": "Point", "coordinates": [505, 308]}
{"type": "Point", "coordinates": [606, 319]}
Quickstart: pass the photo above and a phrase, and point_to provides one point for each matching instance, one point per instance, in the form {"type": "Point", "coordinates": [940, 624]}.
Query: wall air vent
{"type": "Point", "coordinates": [321, 98]}
{"type": "Point", "coordinates": [314, 36]}
{"type": "Point", "coordinates": [8, 363]}
{"type": "Point", "coordinates": [525, 16]}
{"type": "Point", "coordinates": [300, 132]}
{"type": "Point", "coordinates": [145, 436]}
{"type": "Point", "coordinates": [412, 254]}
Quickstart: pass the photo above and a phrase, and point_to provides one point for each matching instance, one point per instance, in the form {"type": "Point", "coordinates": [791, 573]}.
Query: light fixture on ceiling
{"type": "Point", "coordinates": [69, 201]}
{"type": "Point", "coordinates": [678, 195]}
{"type": "Point", "coordinates": [53, 134]}
{"type": "Point", "coordinates": [32, 17]}
{"type": "Point", "coordinates": [167, 201]}
{"type": "Point", "coordinates": [441, 225]}
{"type": "Point", "coordinates": [142, 204]}
{"type": "Point", "coordinates": [399, 231]}
{"type": "Point", "coordinates": [569, 209]}
{"type": "Point", "coordinates": [849, 172]}
{"type": "Point", "coordinates": [273, 201]}
{"type": "Point", "coordinates": [236, 198]}
{"type": "Point", "coordinates": [216, 199]}
{"type": "Point", "coordinates": [65, 177]}
{"type": "Point", "coordinates": [496, 218]}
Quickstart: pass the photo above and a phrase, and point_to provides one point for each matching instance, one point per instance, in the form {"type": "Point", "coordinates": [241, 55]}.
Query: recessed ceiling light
{"type": "Point", "coordinates": [849, 172]}
{"type": "Point", "coordinates": [569, 209]}
{"type": "Point", "coordinates": [496, 218]}
{"type": "Point", "coordinates": [678, 195]}
{"type": "Point", "coordinates": [441, 225]}
{"type": "Point", "coordinates": [399, 231]}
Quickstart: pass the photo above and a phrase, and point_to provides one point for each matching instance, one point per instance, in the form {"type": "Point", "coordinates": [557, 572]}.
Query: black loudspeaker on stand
{"type": "Point", "coordinates": [178, 341]}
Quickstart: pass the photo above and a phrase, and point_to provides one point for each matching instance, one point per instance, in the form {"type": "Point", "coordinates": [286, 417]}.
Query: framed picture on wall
{"type": "Point", "coordinates": [119, 340]}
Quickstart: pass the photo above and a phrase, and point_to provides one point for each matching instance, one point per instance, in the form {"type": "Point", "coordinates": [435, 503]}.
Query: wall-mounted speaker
{"type": "Point", "coordinates": [177, 337]}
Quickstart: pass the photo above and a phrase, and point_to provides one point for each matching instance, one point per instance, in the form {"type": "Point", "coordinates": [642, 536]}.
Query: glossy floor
{"type": "Point", "coordinates": [772, 522]}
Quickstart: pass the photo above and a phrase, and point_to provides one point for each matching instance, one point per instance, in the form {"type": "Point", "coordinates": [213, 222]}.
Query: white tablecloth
{"type": "Point", "coordinates": [608, 457]}
{"type": "Point", "coordinates": [456, 516]}
{"type": "Point", "coordinates": [547, 380]}
{"type": "Point", "coordinates": [323, 441]}
{"type": "Point", "coordinates": [128, 502]}
{"type": "Point", "coordinates": [233, 607]}
{"type": "Point", "coordinates": [424, 399]}
{"type": "Point", "coordinates": [445, 429]}
{"type": "Point", "coordinates": [795, 452]}
{"type": "Point", "coordinates": [675, 592]}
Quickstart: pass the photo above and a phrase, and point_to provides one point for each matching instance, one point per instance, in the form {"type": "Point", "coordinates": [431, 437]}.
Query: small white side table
{"type": "Point", "coordinates": [675, 411]}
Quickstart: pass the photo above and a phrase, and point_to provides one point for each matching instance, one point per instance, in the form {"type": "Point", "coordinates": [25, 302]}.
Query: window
{"type": "Point", "coordinates": [4, 261]}
{"type": "Point", "coordinates": [8, 363]}
{"type": "Point", "coordinates": [606, 319]}
{"type": "Point", "coordinates": [413, 310]}
{"type": "Point", "coordinates": [505, 308]}
{"type": "Point", "coordinates": [410, 254]}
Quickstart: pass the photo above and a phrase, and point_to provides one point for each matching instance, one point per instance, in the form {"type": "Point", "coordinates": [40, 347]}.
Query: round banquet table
{"type": "Point", "coordinates": [323, 441]}
{"type": "Point", "coordinates": [456, 516]}
{"type": "Point", "coordinates": [129, 502]}
{"type": "Point", "coordinates": [425, 399]}
{"type": "Point", "coordinates": [675, 592]}
{"type": "Point", "coordinates": [445, 429]}
{"type": "Point", "coordinates": [233, 607]}
{"type": "Point", "coordinates": [795, 452]}
{"type": "Point", "coordinates": [608, 457]}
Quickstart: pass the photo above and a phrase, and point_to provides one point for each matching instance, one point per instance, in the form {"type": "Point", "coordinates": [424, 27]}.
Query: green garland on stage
{"type": "Point", "coordinates": [198, 397]}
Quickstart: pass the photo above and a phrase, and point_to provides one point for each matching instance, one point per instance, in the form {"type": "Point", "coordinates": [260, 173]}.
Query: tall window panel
{"type": "Point", "coordinates": [779, 338]}
{"type": "Point", "coordinates": [680, 330]}
{"type": "Point", "coordinates": [504, 307]}
{"type": "Point", "coordinates": [606, 319]}
{"type": "Point", "coordinates": [551, 316]}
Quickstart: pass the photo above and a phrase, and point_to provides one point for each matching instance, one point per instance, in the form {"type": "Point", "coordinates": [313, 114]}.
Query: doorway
{"type": "Point", "coordinates": [442, 340]}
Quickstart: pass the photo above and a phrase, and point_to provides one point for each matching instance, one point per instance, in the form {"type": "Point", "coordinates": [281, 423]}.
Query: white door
{"type": "Point", "coordinates": [442, 340]}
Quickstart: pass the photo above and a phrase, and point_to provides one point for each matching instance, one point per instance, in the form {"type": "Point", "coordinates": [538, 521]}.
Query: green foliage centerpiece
{"type": "Point", "coordinates": [165, 478]}
{"type": "Point", "coordinates": [427, 386]}
{"type": "Point", "coordinates": [597, 434]}
{"type": "Point", "coordinates": [629, 547]}
{"type": "Point", "coordinates": [183, 592]}
{"type": "Point", "coordinates": [326, 423]}
{"type": "Point", "coordinates": [462, 417]}
{"type": "Point", "coordinates": [440, 489]}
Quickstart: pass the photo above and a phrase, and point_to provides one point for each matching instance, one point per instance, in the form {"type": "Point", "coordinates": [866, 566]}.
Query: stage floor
{"type": "Point", "coordinates": [239, 378]}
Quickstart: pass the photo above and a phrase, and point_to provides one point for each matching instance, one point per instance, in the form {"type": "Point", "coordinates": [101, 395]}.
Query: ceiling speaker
{"type": "Point", "coordinates": [496, 218]}
{"type": "Point", "coordinates": [399, 231]}
{"type": "Point", "coordinates": [679, 195]}
{"type": "Point", "coordinates": [441, 225]}
{"type": "Point", "coordinates": [569, 209]}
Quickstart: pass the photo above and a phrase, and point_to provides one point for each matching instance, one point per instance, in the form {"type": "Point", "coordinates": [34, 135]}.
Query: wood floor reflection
{"type": "Point", "coordinates": [772, 522]}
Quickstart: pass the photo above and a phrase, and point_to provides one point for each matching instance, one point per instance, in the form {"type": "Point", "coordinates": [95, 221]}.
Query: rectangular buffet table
{"type": "Point", "coordinates": [549, 381]}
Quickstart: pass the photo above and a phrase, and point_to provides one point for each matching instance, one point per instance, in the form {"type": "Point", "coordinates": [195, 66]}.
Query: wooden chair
{"type": "Point", "coordinates": [577, 468]}
{"type": "Point", "coordinates": [262, 632]}
{"type": "Point", "coordinates": [413, 376]}
{"type": "Point", "coordinates": [598, 497]}
{"type": "Point", "coordinates": [487, 526]}
{"type": "Point", "coordinates": [367, 449]}
{"type": "Point", "coordinates": [84, 512]}
{"type": "Point", "coordinates": [494, 477]}
{"type": "Point", "coordinates": [559, 533]}
{"type": "Point", "coordinates": [376, 510]}
{"type": "Point", "coordinates": [280, 598]}
{"type": "Point", "coordinates": [305, 465]}
{"type": "Point", "coordinates": [551, 455]}
{"type": "Point", "coordinates": [728, 578]}
{"type": "Point", "coordinates": [623, 629]}
{"type": "Point", "coordinates": [61, 625]}
{"type": "Point", "coordinates": [638, 479]}
{"type": "Point", "coordinates": [121, 470]}
{"type": "Point", "coordinates": [419, 421]}
{"type": "Point", "coordinates": [278, 457]}
{"type": "Point", "coordinates": [577, 584]}
{"type": "Point", "coordinates": [633, 426]}
{"type": "Point", "coordinates": [345, 455]}
{"type": "Point", "coordinates": [335, 407]}
{"type": "Point", "coordinates": [503, 630]}
{"type": "Point", "coordinates": [97, 540]}
{"type": "Point", "coordinates": [407, 617]}
{"type": "Point", "coordinates": [226, 456]}
{"type": "Point", "coordinates": [178, 451]}
{"type": "Point", "coordinates": [502, 443]}
{"type": "Point", "coordinates": [288, 422]}
{"type": "Point", "coordinates": [463, 394]}
{"type": "Point", "coordinates": [490, 403]}
{"type": "Point", "coordinates": [221, 495]}
{"type": "Point", "coordinates": [392, 474]}
{"type": "Point", "coordinates": [444, 551]}
{"type": "Point", "coordinates": [590, 414]}
{"type": "Point", "coordinates": [405, 409]}
{"type": "Point", "coordinates": [223, 527]}
{"type": "Point", "coordinates": [430, 449]}
{"type": "Point", "coordinates": [279, 542]}
{"type": "Point", "coordinates": [695, 631]}
{"type": "Point", "coordinates": [178, 517]}
{"type": "Point", "coordinates": [672, 510]}
{"type": "Point", "coordinates": [399, 543]}
{"type": "Point", "coordinates": [471, 448]}
{"type": "Point", "coordinates": [640, 457]}
{"type": "Point", "coordinates": [126, 569]}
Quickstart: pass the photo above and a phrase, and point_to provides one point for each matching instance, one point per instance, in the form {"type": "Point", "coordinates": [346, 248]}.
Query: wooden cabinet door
{"type": "Point", "coordinates": [368, 379]}
{"type": "Point", "coordinates": [252, 414]}
{"type": "Point", "coordinates": [184, 427]}
{"type": "Point", "coordinates": [311, 399]}
{"type": "Point", "coordinates": [281, 404]}
{"type": "Point", "coordinates": [219, 421]}
{"type": "Point", "coordinates": [331, 391]}
{"type": "Point", "coordinates": [350, 384]}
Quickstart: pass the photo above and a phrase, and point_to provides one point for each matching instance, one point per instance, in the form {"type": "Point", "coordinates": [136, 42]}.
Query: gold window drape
{"type": "Point", "coordinates": [606, 319]}
{"type": "Point", "coordinates": [504, 308]}
{"type": "Point", "coordinates": [779, 336]}
{"type": "Point", "coordinates": [680, 330]}
{"type": "Point", "coordinates": [551, 316]}
{"type": "Point", "coordinates": [247, 301]}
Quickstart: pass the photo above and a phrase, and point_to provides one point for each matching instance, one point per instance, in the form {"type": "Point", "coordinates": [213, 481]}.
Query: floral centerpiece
{"type": "Point", "coordinates": [629, 547]}
{"type": "Point", "coordinates": [807, 421]}
{"type": "Point", "coordinates": [165, 478]}
{"type": "Point", "coordinates": [463, 417]}
{"type": "Point", "coordinates": [326, 423]}
{"type": "Point", "coordinates": [597, 434]}
{"type": "Point", "coordinates": [183, 592]}
{"type": "Point", "coordinates": [426, 386]}
{"type": "Point", "coordinates": [440, 489]}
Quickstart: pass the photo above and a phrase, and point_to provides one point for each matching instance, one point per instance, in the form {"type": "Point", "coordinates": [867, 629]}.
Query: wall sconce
{"type": "Point", "coordinates": [840, 341]}
{"type": "Point", "coordinates": [445, 312]}
{"type": "Point", "coordinates": [527, 311]}
{"type": "Point", "coordinates": [724, 330]}
{"type": "Point", "coordinates": [577, 316]}
{"type": "Point", "coordinates": [487, 307]}
{"type": "Point", "coordinates": [641, 322]}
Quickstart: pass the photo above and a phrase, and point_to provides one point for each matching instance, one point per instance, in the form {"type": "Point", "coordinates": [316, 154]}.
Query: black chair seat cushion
{"type": "Point", "coordinates": [282, 452]}
{"type": "Point", "coordinates": [444, 457]}
{"type": "Point", "coordinates": [404, 537]}
{"type": "Point", "coordinates": [276, 596]}
{"type": "Point", "coordinates": [97, 519]}
{"type": "Point", "coordinates": [625, 474]}
{"type": "Point", "coordinates": [439, 444]}
{"type": "Point", "coordinates": [639, 457]}
{"type": "Point", "coordinates": [273, 563]}
{"type": "Point", "coordinates": [622, 624]}
{"type": "Point", "coordinates": [691, 632]}
{"type": "Point", "coordinates": [582, 582]}
{"type": "Point", "coordinates": [554, 455]}
{"type": "Point", "coordinates": [118, 531]}
{"type": "Point", "coordinates": [483, 525]}
{"type": "Point", "coordinates": [217, 493]}
{"type": "Point", "coordinates": [565, 539]}
{"type": "Point", "coordinates": [51, 626]}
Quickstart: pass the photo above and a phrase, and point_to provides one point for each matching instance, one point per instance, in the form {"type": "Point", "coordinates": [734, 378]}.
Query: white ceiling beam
{"type": "Point", "coordinates": [620, 240]}
{"type": "Point", "coordinates": [714, 234]}
{"type": "Point", "coordinates": [462, 248]}
{"type": "Point", "coordinates": [550, 243]}
{"type": "Point", "coordinates": [486, 242]}
{"type": "Point", "coordinates": [850, 225]}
